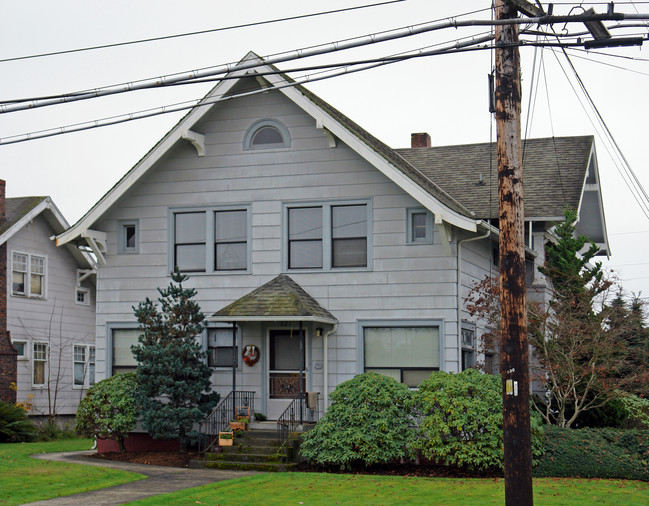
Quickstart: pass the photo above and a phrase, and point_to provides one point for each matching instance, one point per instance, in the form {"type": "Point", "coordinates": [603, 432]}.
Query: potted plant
{"type": "Point", "coordinates": [226, 438]}
{"type": "Point", "coordinates": [238, 424]}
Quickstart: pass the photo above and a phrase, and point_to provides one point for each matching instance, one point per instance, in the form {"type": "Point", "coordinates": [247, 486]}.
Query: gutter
{"type": "Point", "coordinates": [489, 231]}
{"type": "Point", "coordinates": [326, 366]}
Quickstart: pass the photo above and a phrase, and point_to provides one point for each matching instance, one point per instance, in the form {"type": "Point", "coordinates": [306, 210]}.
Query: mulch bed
{"type": "Point", "coordinates": [169, 459]}
{"type": "Point", "coordinates": [181, 459]}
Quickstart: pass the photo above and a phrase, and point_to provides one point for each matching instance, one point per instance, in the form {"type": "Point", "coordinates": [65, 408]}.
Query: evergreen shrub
{"type": "Point", "coordinates": [595, 453]}
{"type": "Point", "coordinates": [109, 411]}
{"type": "Point", "coordinates": [367, 423]}
{"type": "Point", "coordinates": [15, 426]}
{"type": "Point", "coordinates": [461, 421]}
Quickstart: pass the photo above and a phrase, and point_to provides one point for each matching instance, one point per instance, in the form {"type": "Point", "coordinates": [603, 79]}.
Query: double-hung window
{"type": "Point", "coordinates": [39, 364]}
{"type": "Point", "coordinates": [83, 365]}
{"type": "Point", "coordinates": [468, 347]}
{"type": "Point", "coordinates": [219, 347]}
{"type": "Point", "coordinates": [328, 236]}
{"type": "Point", "coordinates": [210, 240]}
{"type": "Point", "coordinates": [27, 275]}
{"type": "Point", "coordinates": [407, 353]}
{"type": "Point", "coordinates": [190, 241]}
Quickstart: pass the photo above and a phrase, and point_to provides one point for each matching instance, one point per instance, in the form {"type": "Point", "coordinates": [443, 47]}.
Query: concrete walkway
{"type": "Point", "coordinates": [161, 480]}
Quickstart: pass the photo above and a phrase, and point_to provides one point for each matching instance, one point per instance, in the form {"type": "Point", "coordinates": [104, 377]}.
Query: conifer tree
{"type": "Point", "coordinates": [172, 372]}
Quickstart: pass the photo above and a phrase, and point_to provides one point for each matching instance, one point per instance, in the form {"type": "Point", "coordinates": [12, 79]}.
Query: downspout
{"type": "Point", "coordinates": [459, 296]}
{"type": "Point", "coordinates": [326, 365]}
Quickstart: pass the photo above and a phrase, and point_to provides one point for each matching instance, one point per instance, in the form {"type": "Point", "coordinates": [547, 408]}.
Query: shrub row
{"type": "Point", "coordinates": [595, 453]}
{"type": "Point", "coordinates": [453, 419]}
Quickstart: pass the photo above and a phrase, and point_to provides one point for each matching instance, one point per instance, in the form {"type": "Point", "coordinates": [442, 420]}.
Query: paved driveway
{"type": "Point", "coordinates": [160, 481]}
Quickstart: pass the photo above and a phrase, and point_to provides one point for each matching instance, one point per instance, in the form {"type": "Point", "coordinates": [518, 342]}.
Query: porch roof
{"type": "Point", "coordinates": [279, 299]}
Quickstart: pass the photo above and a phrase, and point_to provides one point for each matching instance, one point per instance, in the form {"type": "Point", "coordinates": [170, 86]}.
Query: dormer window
{"type": "Point", "coordinates": [267, 134]}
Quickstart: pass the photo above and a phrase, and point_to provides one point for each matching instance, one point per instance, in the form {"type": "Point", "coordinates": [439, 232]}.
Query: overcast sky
{"type": "Point", "coordinates": [445, 96]}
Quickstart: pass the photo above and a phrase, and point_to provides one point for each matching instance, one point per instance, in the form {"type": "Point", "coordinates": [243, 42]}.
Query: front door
{"type": "Point", "coordinates": [286, 360]}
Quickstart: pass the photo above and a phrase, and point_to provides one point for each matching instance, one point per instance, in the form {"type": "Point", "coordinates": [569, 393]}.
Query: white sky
{"type": "Point", "coordinates": [445, 96]}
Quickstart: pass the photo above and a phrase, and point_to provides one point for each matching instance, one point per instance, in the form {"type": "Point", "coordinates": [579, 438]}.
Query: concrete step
{"type": "Point", "coordinates": [248, 448]}
{"type": "Point", "coordinates": [267, 467]}
{"type": "Point", "coordinates": [246, 457]}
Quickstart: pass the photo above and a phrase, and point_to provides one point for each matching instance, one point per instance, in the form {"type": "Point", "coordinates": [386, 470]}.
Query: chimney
{"type": "Point", "coordinates": [421, 140]}
{"type": "Point", "coordinates": [8, 354]}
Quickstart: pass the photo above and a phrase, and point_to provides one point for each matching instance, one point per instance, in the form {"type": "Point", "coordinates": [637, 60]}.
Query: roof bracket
{"type": "Point", "coordinates": [328, 134]}
{"type": "Point", "coordinates": [83, 274]}
{"type": "Point", "coordinates": [97, 242]}
{"type": "Point", "coordinates": [444, 233]}
{"type": "Point", "coordinates": [197, 140]}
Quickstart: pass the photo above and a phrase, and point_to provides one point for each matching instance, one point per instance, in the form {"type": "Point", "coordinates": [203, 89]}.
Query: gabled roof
{"type": "Point", "coordinates": [382, 157]}
{"type": "Point", "coordinates": [554, 174]}
{"type": "Point", "coordinates": [22, 210]}
{"type": "Point", "coordinates": [279, 299]}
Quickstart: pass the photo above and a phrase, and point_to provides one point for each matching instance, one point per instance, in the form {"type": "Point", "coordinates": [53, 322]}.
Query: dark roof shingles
{"type": "Point", "coordinates": [280, 297]}
{"type": "Point", "coordinates": [16, 208]}
{"type": "Point", "coordinates": [554, 171]}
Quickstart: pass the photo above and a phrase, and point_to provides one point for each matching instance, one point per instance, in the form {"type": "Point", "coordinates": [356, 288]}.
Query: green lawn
{"type": "Point", "coordinates": [24, 479]}
{"type": "Point", "coordinates": [312, 488]}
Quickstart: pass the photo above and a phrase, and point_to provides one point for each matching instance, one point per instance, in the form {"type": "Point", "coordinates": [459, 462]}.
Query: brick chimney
{"type": "Point", "coordinates": [8, 354]}
{"type": "Point", "coordinates": [421, 140]}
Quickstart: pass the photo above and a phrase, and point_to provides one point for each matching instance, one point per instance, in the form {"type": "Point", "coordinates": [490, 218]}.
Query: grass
{"type": "Point", "coordinates": [24, 479]}
{"type": "Point", "coordinates": [314, 488]}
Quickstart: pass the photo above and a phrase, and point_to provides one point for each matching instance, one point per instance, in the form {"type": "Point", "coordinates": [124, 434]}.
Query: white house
{"type": "Point", "coordinates": [50, 308]}
{"type": "Point", "coordinates": [326, 250]}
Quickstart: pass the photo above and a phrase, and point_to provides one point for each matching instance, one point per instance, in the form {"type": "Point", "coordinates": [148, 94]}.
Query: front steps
{"type": "Point", "coordinates": [256, 449]}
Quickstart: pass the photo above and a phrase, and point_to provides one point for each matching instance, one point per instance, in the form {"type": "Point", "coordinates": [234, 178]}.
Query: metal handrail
{"type": "Point", "coordinates": [296, 414]}
{"type": "Point", "coordinates": [219, 419]}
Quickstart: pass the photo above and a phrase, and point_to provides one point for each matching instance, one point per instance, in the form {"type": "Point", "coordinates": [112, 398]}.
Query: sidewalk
{"type": "Point", "coordinates": [161, 480]}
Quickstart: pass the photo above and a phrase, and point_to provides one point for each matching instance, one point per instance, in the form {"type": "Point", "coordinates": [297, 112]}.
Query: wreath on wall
{"type": "Point", "coordinates": [250, 354]}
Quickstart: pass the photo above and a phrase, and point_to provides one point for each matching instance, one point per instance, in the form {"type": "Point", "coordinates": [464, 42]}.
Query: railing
{"type": "Point", "coordinates": [303, 408]}
{"type": "Point", "coordinates": [234, 404]}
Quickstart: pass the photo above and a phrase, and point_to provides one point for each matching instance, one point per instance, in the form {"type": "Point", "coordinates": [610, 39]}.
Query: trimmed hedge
{"type": "Point", "coordinates": [462, 420]}
{"type": "Point", "coordinates": [367, 423]}
{"type": "Point", "coordinates": [595, 453]}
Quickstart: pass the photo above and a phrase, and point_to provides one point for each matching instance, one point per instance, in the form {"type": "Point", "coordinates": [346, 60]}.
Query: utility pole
{"type": "Point", "coordinates": [514, 357]}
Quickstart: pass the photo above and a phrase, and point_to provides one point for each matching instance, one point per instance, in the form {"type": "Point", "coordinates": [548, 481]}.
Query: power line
{"type": "Point", "coordinates": [181, 106]}
{"type": "Point", "coordinates": [304, 53]}
{"type": "Point", "coordinates": [200, 32]}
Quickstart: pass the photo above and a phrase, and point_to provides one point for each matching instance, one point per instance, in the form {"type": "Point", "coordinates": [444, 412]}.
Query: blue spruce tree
{"type": "Point", "coordinates": [173, 377]}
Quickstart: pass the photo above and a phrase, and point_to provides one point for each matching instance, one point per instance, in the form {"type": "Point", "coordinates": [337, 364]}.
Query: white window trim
{"type": "Point", "coordinates": [266, 122]}
{"type": "Point", "coordinates": [86, 366]}
{"type": "Point", "coordinates": [410, 239]}
{"type": "Point", "coordinates": [27, 293]}
{"type": "Point", "coordinates": [326, 234]}
{"type": "Point", "coordinates": [209, 238]}
{"type": "Point", "coordinates": [80, 289]}
{"type": "Point", "coordinates": [26, 354]}
{"type": "Point", "coordinates": [41, 386]}
{"type": "Point", "coordinates": [122, 249]}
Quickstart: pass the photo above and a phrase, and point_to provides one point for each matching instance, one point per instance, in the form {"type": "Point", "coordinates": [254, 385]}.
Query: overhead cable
{"type": "Point", "coordinates": [305, 53]}
{"type": "Point", "coordinates": [200, 32]}
{"type": "Point", "coordinates": [181, 106]}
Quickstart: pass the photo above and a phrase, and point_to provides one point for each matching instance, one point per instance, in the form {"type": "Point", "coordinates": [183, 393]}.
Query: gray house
{"type": "Point", "coordinates": [50, 308]}
{"type": "Point", "coordinates": [322, 251]}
